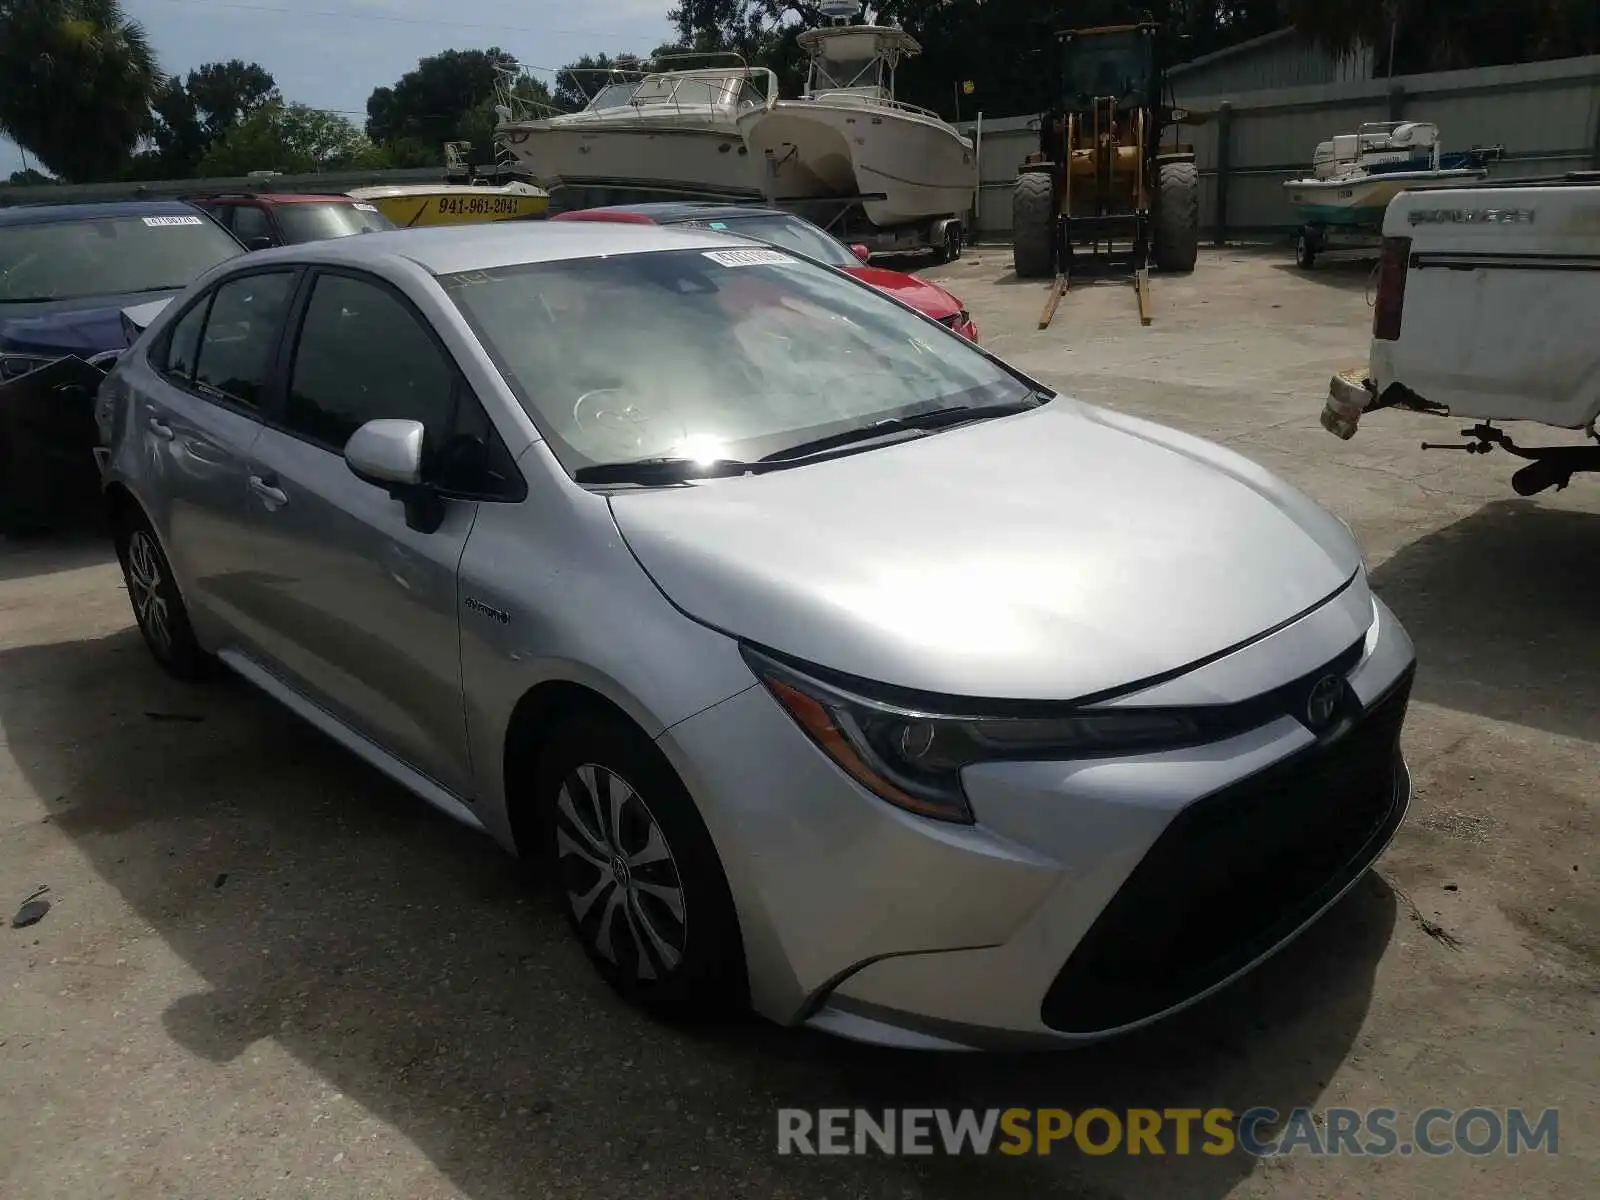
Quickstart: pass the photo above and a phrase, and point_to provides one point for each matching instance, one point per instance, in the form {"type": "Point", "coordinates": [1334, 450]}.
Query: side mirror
{"type": "Point", "coordinates": [260, 242]}
{"type": "Point", "coordinates": [387, 453]}
{"type": "Point", "coordinates": [864, 253]}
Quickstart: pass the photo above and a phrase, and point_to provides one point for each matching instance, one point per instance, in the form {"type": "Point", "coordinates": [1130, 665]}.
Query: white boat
{"type": "Point", "coordinates": [1355, 175]}
{"type": "Point", "coordinates": [659, 134]}
{"type": "Point", "coordinates": [848, 135]}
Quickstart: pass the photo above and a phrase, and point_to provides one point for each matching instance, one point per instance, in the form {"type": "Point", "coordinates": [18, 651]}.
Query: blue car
{"type": "Point", "coordinates": [67, 272]}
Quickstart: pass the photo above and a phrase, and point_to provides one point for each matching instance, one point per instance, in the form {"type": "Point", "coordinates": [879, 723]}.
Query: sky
{"type": "Point", "coordinates": [332, 53]}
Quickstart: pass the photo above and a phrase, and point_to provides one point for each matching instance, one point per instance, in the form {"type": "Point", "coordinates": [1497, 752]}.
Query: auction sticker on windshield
{"type": "Point", "coordinates": [749, 258]}
{"type": "Point", "coordinates": [159, 221]}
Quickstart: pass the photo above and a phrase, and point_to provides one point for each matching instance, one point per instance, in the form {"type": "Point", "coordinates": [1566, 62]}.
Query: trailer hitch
{"type": "Point", "coordinates": [1548, 467]}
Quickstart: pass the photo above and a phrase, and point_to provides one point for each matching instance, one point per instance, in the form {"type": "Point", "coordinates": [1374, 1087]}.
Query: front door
{"type": "Point", "coordinates": [361, 612]}
{"type": "Point", "coordinates": [197, 416]}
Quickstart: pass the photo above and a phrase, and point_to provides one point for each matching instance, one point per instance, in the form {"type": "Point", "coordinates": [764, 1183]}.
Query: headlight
{"type": "Point", "coordinates": [913, 758]}
{"type": "Point", "coordinates": [14, 366]}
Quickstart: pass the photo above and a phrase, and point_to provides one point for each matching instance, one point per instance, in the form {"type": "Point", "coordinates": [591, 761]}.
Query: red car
{"type": "Point", "coordinates": [793, 233]}
{"type": "Point", "coordinates": [264, 219]}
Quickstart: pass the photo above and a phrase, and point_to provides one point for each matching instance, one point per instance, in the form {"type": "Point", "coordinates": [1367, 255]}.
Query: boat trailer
{"type": "Point", "coordinates": [845, 218]}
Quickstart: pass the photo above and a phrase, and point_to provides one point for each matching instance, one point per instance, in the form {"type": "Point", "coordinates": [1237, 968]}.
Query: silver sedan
{"type": "Point", "coordinates": [826, 663]}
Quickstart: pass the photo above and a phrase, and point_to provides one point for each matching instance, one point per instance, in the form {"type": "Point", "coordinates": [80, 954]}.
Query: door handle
{"type": "Point", "coordinates": [161, 429]}
{"type": "Point", "coordinates": [272, 497]}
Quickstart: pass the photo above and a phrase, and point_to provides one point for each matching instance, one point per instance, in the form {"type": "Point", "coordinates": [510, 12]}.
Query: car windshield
{"type": "Point", "coordinates": [789, 232]}
{"type": "Point", "coordinates": [317, 222]}
{"type": "Point", "coordinates": [108, 256]}
{"type": "Point", "coordinates": [719, 354]}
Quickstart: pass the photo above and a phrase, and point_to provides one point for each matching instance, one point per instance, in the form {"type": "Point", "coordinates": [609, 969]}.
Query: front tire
{"type": "Point", "coordinates": [158, 607]}
{"type": "Point", "coordinates": [1033, 225]}
{"type": "Point", "coordinates": [1177, 224]}
{"type": "Point", "coordinates": [639, 877]}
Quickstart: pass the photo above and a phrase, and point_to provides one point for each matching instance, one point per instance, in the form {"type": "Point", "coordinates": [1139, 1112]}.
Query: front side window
{"type": "Point", "coordinates": [250, 223]}
{"type": "Point", "coordinates": [727, 354]}
{"type": "Point", "coordinates": [241, 331]}
{"type": "Point", "coordinates": [362, 356]}
{"type": "Point", "coordinates": [108, 256]}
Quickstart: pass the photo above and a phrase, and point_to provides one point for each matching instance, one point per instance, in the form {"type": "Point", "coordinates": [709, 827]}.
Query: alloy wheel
{"type": "Point", "coordinates": [621, 880]}
{"type": "Point", "coordinates": [145, 585]}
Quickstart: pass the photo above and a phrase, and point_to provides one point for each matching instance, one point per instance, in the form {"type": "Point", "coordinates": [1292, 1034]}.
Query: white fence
{"type": "Point", "coordinates": [1546, 115]}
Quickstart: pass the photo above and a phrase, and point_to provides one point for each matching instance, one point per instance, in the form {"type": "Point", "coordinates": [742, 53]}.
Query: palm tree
{"type": "Point", "coordinates": [76, 81]}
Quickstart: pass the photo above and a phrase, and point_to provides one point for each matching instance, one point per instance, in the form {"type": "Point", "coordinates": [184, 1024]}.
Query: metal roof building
{"type": "Point", "coordinates": [1283, 59]}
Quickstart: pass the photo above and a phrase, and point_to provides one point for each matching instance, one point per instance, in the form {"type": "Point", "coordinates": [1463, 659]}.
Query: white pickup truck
{"type": "Point", "coordinates": [1488, 309]}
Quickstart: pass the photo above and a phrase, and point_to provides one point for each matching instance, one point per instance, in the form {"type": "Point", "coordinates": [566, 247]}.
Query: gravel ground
{"type": "Point", "coordinates": [267, 972]}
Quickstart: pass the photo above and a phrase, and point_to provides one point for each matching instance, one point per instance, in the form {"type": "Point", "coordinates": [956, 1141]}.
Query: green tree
{"type": "Point", "coordinates": [448, 97]}
{"type": "Point", "coordinates": [77, 78]}
{"type": "Point", "coordinates": [292, 138]}
{"type": "Point", "coordinates": [1436, 37]}
{"type": "Point", "coordinates": [189, 117]}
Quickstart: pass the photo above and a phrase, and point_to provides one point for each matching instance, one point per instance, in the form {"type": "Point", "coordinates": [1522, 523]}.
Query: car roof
{"type": "Point", "coordinates": [669, 212]}
{"type": "Point", "coordinates": [37, 214]}
{"type": "Point", "coordinates": [279, 197]}
{"type": "Point", "coordinates": [447, 249]}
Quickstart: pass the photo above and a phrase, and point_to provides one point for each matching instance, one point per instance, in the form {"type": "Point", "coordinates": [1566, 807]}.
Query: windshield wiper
{"type": "Point", "coordinates": [938, 418]}
{"type": "Point", "coordinates": [659, 471]}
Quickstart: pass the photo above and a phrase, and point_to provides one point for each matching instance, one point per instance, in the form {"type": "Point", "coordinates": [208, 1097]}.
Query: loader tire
{"type": "Point", "coordinates": [1033, 224]}
{"type": "Point", "coordinates": [1177, 232]}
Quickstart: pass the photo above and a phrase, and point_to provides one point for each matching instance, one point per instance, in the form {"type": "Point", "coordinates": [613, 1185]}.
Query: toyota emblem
{"type": "Point", "coordinates": [1323, 702]}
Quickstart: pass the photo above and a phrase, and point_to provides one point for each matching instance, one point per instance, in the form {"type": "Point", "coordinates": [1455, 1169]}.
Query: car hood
{"type": "Point", "coordinates": [81, 327]}
{"type": "Point", "coordinates": [926, 297]}
{"type": "Point", "coordinates": [1051, 555]}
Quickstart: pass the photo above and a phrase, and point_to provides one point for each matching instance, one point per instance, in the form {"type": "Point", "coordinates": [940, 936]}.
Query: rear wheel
{"type": "Point", "coordinates": [640, 878]}
{"type": "Point", "coordinates": [158, 607]}
{"type": "Point", "coordinates": [948, 249]}
{"type": "Point", "coordinates": [1177, 224]}
{"type": "Point", "coordinates": [1305, 251]}
{"type": "Point", "coordinates": [1033, 225]}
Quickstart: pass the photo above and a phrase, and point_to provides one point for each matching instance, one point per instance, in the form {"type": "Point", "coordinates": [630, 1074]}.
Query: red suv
{"type": "Point", "coordinates": [265, 219]}
{"type": "Point", "coordinates": [790, 232]}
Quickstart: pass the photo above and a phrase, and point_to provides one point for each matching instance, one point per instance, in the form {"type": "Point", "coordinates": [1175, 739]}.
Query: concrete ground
{"type": "Point", "coordinates": [267, 972]}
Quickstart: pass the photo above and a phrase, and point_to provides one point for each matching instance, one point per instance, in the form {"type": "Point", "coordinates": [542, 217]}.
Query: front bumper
{"type": "Point", "coordinates": [1091, 897]}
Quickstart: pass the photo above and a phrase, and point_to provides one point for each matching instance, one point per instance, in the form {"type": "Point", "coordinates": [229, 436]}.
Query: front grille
{"type": "Point", "coordinates": [1235, 873]}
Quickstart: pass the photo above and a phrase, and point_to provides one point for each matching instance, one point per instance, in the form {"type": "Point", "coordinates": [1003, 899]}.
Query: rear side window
{"type": "Point", "coordinates": [241, 330]}
{"type": "Point", "coordinates": [183, 345]}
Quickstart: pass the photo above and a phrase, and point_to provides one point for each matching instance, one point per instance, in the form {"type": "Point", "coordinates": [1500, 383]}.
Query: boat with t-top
{"type": "Point", "coordinates": [849, 141]}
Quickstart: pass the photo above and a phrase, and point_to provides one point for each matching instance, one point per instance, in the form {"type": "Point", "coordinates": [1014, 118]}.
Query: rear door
{"type": "Point", "coordinates": [196, 414]}
{"type": "Point", "coordinates": [359, 611]}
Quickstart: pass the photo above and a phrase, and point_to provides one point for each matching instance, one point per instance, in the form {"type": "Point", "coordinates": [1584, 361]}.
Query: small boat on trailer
{"type": "Point", "coordinates": [1340, 206]}
{"type": "Point", "coordinates": [462, 199]}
